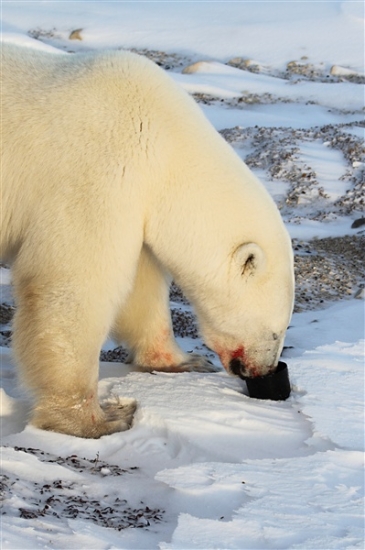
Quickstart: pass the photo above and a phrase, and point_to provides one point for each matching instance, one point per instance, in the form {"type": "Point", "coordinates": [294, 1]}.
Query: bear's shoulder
{"type": "Point", "coordinates": [105, 62]}
{"type": "Point", "coordinates": [102, 73]}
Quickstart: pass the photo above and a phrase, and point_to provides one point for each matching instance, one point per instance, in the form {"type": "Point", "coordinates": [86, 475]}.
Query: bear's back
{"type": "Point", "coordinates": [92, 92]}
{"type": "Point", "coordinates": [28, 73]}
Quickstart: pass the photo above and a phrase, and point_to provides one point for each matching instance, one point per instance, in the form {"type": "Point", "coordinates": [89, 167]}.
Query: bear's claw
{"type": "Point", "coordinates": [120, 409]}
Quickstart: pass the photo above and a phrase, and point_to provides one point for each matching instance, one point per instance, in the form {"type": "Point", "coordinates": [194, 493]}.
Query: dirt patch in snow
{"type": "Point", "coordinates": [63, 498]}
{"type": "Point", "coordinates": [277, 152]}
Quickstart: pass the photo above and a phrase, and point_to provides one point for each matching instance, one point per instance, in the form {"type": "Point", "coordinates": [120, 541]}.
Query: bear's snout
{"type": "Point", "coordinates": [249, 363]}
{"type": "Point", "coordinates": [239, 368]}
{"type": "Point", "coordinates": [238, 364]}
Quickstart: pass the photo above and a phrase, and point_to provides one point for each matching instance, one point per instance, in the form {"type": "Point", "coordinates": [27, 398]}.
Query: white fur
{"type": "Point", "coordinates": [113, 182]}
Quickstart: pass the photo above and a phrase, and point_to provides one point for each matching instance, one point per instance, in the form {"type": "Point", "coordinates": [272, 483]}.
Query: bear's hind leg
{"type": "Point", "coordinates": [58, 330]}
{"type": "Point", "coordinates": [144, 323]}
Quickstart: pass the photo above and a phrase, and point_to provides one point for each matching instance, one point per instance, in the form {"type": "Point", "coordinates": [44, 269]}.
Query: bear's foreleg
{"type": "Point", "coordinates": [144, 323]}
{"type": "Point", "coordinates": [59, 328]}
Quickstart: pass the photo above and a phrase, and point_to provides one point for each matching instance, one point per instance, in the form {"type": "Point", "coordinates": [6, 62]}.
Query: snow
{"type": "Point", "coordinates": [284, 115]}
{"type": "Point", "coordinates": [274, 32]}
{"type": "Point", "coordinates": [204, 466]}
{"type": "Point", "coordinates": [328, 166]}
{"type": "Point", "coordinates": [5, 277]}
{"type": "Point", "coordinates": [225, 81]}
{"type": "Point", "coordinates": [272, 514]}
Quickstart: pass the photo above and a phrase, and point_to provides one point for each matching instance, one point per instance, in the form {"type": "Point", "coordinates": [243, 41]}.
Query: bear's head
{"type": "Point", "coordinates": [245, 320]}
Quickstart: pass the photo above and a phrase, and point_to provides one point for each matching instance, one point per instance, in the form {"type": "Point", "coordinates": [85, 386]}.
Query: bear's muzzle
{"type": "Point", "coordinates": [241, 369]}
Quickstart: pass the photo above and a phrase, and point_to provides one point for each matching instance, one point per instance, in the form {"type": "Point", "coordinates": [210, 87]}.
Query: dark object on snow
{"type": "Point", "coordinates": [358, 223]}
{"type": "Point", "coordinates": [274, 386]}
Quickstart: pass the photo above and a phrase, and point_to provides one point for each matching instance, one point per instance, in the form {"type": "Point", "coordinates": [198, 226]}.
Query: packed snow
{"type": "Point", "coordinates": [204, 466]}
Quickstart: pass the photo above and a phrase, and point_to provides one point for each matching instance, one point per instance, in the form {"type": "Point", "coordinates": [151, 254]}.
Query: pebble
{"type": "Point", "coordinates": [360, 294]}
{"type": "Point", "coordinates": [337, 70]}
{"type": "Point", "coordinates": [196, 67]}
{"type": "Point", "coordinates": [76, 34]}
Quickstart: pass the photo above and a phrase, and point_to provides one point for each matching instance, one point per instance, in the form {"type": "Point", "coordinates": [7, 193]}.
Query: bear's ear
{"type": "Point", "coordinates": [250, 258]}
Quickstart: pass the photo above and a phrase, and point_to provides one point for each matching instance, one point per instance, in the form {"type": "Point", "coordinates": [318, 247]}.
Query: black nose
{"type": "Point", "coordinates": [236, 366]}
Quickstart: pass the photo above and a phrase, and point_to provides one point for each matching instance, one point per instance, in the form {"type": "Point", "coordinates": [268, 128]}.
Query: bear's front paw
{"type": "Point", "coordinates": [86, 418]}
{"type": "Point", "coordinates": [119, 411]}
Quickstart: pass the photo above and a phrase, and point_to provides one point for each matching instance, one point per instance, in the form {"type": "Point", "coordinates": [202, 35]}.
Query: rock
{"type": "Point", "coordinates": [245, 63]}
{"type": "Point", "coordinates": [337, 70]}
{"type": "Point", "coordinates": [196, 67]}
{"type": "Point", "coordinates": [237, 62]}
{"type": "Point", "coordinates": [307, 70]}
{"type": "Point", "coordinates": [6, 313]}
{"type": "Point", "coordinates": [360, 294]}
{"type": "Point", "coordinates": [76, 34]}
{"type": "Point", "coordinates": [358, 223]}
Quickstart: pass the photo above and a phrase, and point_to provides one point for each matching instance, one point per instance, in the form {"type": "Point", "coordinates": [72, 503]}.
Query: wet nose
{"type": "Point", "coordinates": [237, 367]}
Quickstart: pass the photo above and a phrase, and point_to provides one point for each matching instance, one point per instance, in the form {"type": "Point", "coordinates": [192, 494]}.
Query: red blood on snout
{"type": "Point", "coordinates": [238, 353]}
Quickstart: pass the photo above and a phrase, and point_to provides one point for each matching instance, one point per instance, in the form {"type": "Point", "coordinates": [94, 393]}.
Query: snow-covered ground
{"type": "Point", "coordinates": [204, 466]}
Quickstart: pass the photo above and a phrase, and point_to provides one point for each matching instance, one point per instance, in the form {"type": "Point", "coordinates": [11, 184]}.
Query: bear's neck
{"type": "Point", "coordinates": [209, 206]}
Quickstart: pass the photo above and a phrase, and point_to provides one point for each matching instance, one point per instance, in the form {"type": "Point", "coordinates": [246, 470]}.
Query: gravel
{"type": "Point", "coordinates": [277, 152]}
{"type": "Point", "coordinates": [327, 270]}
{"type": "Point", "coordinates": [70, 499]}
{"type": "Point", "coordinates": [299, 70]}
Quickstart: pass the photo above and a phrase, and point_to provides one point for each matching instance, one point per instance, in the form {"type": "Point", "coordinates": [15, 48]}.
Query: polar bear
{"type": "Point", "coordinates": [114, 182]}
